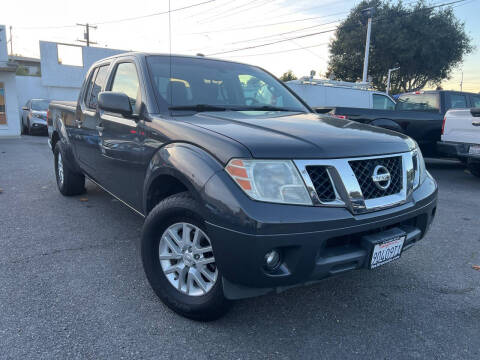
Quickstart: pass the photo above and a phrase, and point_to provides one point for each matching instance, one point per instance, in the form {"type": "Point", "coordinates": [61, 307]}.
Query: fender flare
{"type": "Point", "coordinates": [387, 124]}
{"type": "Point", "coordinates": [187, 163]}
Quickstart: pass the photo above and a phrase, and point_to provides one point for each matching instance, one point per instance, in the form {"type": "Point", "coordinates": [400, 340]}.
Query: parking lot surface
{"type": "Point", "coordinates": [72, 284]}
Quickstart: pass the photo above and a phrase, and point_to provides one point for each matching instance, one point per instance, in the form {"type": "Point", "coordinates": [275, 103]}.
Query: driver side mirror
{"type": "Point", "coordinates": [115, 102]}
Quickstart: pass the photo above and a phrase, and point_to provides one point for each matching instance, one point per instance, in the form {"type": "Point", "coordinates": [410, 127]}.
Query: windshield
{"type": "Point", "coordinates": [40, 105]}
{"type": "Point", "coordinates": [418, 102]}
{"type": "Point", "coordinates": [212, 85]}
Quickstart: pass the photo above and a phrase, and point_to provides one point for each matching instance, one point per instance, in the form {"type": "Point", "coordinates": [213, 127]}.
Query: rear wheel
{"type": "Point", "coordinates": [179, 261]}
{"type": "Point", "coordinates": [474, 168]}
{"type": "Point", "coordinates": [69, 182]}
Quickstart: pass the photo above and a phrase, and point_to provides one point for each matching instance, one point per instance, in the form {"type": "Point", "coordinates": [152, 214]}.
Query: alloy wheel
{"type": "Point", "coordinates": [187, 260]}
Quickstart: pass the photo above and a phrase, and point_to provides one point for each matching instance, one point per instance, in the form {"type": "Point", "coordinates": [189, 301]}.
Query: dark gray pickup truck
{"type": "Point", "coordinates": [417, 114]}
{"type": "Point", "coordinates": [245, 190]}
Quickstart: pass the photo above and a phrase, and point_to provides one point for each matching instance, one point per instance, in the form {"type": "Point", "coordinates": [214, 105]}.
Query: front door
{"type": "Point", "coordinates": [123, 148]}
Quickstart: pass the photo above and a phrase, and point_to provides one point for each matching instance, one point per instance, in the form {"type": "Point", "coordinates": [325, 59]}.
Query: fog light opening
{"type": "Point", "coordinates": [272, 260]}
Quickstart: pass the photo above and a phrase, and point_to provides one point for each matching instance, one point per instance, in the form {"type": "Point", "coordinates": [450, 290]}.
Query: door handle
{"type": "Point", "coordinates": [99, 128]}
{"type": "Point", "coordinates": [476, 123]}
{"type": "Point", "coordinates": [78, 122]}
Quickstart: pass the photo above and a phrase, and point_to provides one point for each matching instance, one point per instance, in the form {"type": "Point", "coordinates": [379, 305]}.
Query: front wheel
{"type": "Point", "coordinates": [69, 182]}
{"type": "Point", "coordinates": [179, 262]}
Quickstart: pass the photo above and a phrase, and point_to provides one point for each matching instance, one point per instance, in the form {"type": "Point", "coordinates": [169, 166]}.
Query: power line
{"type": "Point", "coordinates": [264, 25]}
{"type": "Point", "coordinates": [118, 20]}
{"type": "Point", "coordinates": [153, 14]}
{"type": "Point", "coordinates": [237, 12]}
{"type": "Point", "coordinates": [286, 32]}
{"type": "Point", "coordinates": [316, 33]}
{"type": "Point", "coordinates": [228, 10]}
{"type": "Point", "coordinates": [283, 51]}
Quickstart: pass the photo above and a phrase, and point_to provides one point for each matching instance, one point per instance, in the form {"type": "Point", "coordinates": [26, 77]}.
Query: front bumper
{"type": "Point", "coordinates": [315, 242]}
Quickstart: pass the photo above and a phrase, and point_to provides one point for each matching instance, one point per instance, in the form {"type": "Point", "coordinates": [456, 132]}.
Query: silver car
{"type": "Point", "coordinates": [34, 116]}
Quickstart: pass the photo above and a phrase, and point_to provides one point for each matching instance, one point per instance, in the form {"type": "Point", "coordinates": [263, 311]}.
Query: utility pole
{"type": "Point", "coordinates": [86, 34]}
{"type": "Point", "coordinates": [369, 12]}
{"type": "Point", "coordinates": [388, 78]}
{"type": "Point", "coordinates": [461, 83]}
{"type": "Point", "coordinates": [11, 41]}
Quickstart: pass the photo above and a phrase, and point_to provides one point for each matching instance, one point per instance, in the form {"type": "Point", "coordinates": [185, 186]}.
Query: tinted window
{"type": "Point", "coordinates": [40, 105]}
{"type": "Point", "coordinates": [418, 102]}
{"type": "Point", "coordinates": [458, 101]}
{"type": "Point", "coordinates": [382, 102]}
{"type": "Point", "coordinates": [475, 100]}
{"type": "Point", "coordinates": [212, 82]}
{"type": "Point", "coordinates": [97, 83]}
{"type": "Point", "coordinates": [126, 81]}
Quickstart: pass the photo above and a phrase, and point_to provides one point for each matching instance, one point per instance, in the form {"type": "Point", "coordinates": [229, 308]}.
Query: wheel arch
{"type": "Point", "coordinates": [177, 167]}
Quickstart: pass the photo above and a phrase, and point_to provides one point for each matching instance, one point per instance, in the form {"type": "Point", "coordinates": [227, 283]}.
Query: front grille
{"type": "Point", "coordinates": [363, 170]}
{"type": "Point", "coordinates": [321, 182]}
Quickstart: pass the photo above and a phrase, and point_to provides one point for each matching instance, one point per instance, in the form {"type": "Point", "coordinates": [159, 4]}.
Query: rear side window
{"type": "Point", "coordinates": [96, 85]}
{"type": "Point", "coordinates": [457, 101]}
{"type": "Point", "coordinates": [418, 102]}
{"type": "Point", "coordinates": [126, 81]}
{"type": "Point", "coordinates": [475, 101]}
{"type": "Point", "coordinates": [382, 102]}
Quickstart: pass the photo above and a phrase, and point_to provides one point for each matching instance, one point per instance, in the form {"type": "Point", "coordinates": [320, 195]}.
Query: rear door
{"type": "Point", "coordinates": [87, 138]}
{"type": "Point", "coordinates": [122, 138]}
{"type": "Point", "coordinates": [461, 127]}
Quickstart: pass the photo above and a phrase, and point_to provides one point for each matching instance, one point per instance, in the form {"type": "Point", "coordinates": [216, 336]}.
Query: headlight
{"type": "Point", "coordinates": [419, 167]}
{"type": "Point", "coordinates": [275, 181]}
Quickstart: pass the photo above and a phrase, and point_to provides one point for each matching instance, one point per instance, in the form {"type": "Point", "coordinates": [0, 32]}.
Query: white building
{"type": "Point", "coordinates": [62, 70]}
{"type": "Point", "coordinates": [9, 115]}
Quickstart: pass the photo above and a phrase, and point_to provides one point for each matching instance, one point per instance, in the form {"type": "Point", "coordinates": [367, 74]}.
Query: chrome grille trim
{"type": "Point", "coordinates": [347, 189]}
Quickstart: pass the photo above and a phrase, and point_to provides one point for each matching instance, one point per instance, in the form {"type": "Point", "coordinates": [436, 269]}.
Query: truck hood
{"type": "Point", "coordinates": [292, 135]}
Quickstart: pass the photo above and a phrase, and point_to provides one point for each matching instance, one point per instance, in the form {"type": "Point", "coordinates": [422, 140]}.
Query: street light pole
{"type": "Point", "coordinates": [388, 78]}
{"type": "Point", "coordinates": [369, 12]}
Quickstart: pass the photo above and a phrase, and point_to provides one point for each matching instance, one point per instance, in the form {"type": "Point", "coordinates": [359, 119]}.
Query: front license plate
{"type": "Point", "coordinates": [387, 251]}
{"type": "Point", "coordinates": [474, 150]}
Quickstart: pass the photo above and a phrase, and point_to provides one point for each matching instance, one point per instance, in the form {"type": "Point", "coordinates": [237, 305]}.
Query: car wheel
{"type": "Point", "coordinates": [27, 128]}
{"type": "Point", "coordinates": [474, 168]}
{"type": "Point", "coordinates": [69, 182]}
{"type": "Point", "coordinates": [179, 261]}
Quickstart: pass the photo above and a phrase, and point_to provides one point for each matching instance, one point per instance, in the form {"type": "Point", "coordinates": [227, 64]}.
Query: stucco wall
{"type": "Point", "coordinates": [58, 75]}
{"type": "Point", "coordinates": [11, 105]}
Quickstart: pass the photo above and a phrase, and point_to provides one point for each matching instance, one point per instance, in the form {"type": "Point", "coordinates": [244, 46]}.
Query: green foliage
{"type": "Point", "coordinates": [287, 76]}
{"type": "Point", "coordinates": [22, 71]}
{"type": "Point", "coordinates": [427, 44]}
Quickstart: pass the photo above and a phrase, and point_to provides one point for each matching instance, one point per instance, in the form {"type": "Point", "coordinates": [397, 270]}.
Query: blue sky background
{"type": "Point", "coordinates": [216, 27]}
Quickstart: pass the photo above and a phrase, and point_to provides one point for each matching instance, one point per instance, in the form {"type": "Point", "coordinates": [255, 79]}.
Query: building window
{"type": "Point", "coordinates": [69, 55]}
{"type": "Point", "coordinates": [3, 112]}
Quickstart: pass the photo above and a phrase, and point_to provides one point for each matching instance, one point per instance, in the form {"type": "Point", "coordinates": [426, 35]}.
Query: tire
{"type": "Point", "coordinates": [69, 183]}
{"type": "Point", "coordinates": [27, 128]}
{"type": "Point", "coordinates": [200, 305]}
{"type": "Point", "coordinates": [474, 168]}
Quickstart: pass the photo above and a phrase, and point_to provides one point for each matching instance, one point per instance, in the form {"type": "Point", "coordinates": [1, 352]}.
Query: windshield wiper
{"type": "Point", "coordinates": [266, 108]}
{"type": "Point", "coordinates": [198, 107]}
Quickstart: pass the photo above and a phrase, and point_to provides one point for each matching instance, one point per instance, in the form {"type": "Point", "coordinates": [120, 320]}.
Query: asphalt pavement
{"type": "Point", "coordinates": [72, 285]}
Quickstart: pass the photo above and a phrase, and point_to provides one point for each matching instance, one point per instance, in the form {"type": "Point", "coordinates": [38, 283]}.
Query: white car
{"type": "Point", "coordinates": [34, 116]}
{"type": "Point", "coordinates": [461, 137]}
{"type": "Point", "coordinates": [327, 94]}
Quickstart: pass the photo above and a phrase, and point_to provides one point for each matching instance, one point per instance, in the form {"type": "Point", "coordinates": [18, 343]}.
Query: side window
{"type": "Point", "coordinates": [89, 86]}
{"type": "Point", "coordinates": [458, 101]}
{"type": "Point", "coordinates": [475, 101]}
{"type": "Point", "coordinates": [126, 81]}
{"type": "Point", "coordinates": [97, 86]}
{"type": "Point", "coordinates": [382, 102]}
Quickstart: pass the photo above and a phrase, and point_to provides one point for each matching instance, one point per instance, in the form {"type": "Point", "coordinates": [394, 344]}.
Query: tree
{"type": "Point", "coordinates": [287, 76]}
{"type": "Point", "coordinates": [427, 43]}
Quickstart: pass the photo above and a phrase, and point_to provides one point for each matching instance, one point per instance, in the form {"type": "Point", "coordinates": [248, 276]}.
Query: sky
{"type": "Point", "coordinates": [213, 28]}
